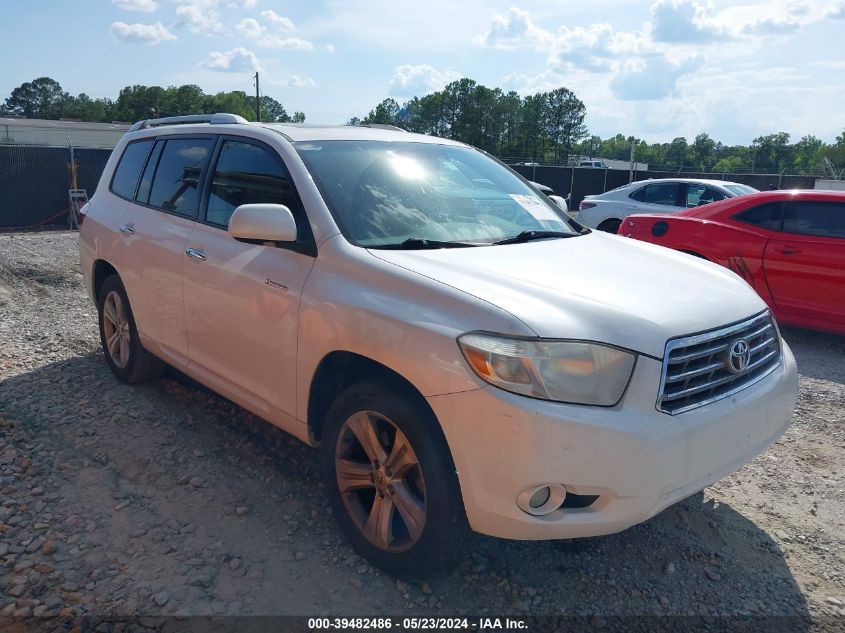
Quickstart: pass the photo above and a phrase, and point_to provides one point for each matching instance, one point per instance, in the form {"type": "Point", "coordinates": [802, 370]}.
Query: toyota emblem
{"type": "Point", "coordinates": [739, 356]}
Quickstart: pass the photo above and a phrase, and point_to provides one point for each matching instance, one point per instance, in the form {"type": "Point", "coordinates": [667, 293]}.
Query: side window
{"type": "Point", "coordinates": [701, 194]}
{"type": "Point", "coordinates": [824, 219]}
{"type": "Point", "coordinates": [175, 187]}
{"type": "Point", "coordinates": [638, 195]}
{"type": "Point", "coordinates": [766, 216]}
{"type": "Point", "coordinates": [247, 174]}
{"type": "Point", "coordinates": [143, 195]}
{"type": "Point", "coordinates": [129, 168]}
{"type": "Point", "coordinates": [662, 193]}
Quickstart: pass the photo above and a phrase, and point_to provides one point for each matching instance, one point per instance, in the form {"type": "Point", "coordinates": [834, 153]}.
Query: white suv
{"type": "Point", "coordinates": [465, 356]}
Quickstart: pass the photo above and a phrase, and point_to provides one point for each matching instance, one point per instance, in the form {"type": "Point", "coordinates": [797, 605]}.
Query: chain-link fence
{"type": "Point", "coordinates": [34, 183]}
{"type": "Point", "coordinates": [584, 181]}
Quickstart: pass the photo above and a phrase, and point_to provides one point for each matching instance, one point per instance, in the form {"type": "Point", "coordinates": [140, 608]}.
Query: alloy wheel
{"type": "Point", "coordinates": [116, 329]}
{"type": "Point", "coordinates": [380, 481]}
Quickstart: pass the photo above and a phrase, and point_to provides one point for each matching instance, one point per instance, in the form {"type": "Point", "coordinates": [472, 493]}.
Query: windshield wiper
{"type": "Point", "coordinates": [527, 236]}
{"type": "Point", "coordinates": [416, 243]}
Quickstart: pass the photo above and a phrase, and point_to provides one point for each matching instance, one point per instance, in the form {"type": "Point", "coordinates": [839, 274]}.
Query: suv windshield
{"type": "Point", "coordinates": [389, 193]}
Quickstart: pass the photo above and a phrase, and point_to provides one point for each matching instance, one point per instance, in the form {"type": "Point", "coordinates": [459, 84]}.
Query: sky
{"type": "Point", "coordinates": [656, 70]}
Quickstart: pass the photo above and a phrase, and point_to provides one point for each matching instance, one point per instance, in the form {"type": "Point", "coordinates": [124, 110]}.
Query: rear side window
{"type": "Point", "coordinates": [177, 178]}
{"type": "Point", "coordinates": [146, 183]}
{"type": "Point", "coordinates": [766, 216]}
{"type": "Point", "coordinates": [129, 168]}
{"type": "Point", "coordinates": [661, 193]}
{"type": "Point", "coordinates": [698, 195]}
{"type": "Point", "coordinates": [246, 174]}
{"type": "Point", "coordinates": [823, 219]}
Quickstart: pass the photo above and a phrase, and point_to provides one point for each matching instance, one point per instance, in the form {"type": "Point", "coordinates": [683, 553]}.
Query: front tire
{"type": "Point", "coordinates": [391, 482]}
{"type": "Point", "coordinates": [125, 355]}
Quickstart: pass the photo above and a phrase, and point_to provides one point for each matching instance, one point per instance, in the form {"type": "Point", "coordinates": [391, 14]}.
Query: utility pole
{"type": "Point", "coordinates": [631, 171]}
{"type": "Point", "coordinates": [257, 100]}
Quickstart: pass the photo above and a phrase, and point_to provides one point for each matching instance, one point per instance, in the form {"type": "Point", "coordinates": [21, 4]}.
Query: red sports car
{"type": "Point", "coordinates": [789, 245]}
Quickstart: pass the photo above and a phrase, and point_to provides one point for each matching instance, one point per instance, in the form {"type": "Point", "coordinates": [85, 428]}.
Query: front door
{"type": "Point", "coordinates": [242, 299]}
{"type": "Point", "coordinates": [805, 263]}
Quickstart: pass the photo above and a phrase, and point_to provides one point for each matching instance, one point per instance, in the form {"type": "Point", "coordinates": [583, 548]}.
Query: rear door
{"type": "Point", "coordinates": [242, 299]}
{"type": "Point", "coordinates": [155, 231]}
{"type": "Point", "coordinates": [805, 262]}
{"type": "Point", "coordinates": [696, 194]}
{"type": "Point", "coordinates": [658, 197]}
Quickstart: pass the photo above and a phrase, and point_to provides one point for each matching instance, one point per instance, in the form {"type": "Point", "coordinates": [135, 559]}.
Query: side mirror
{"type": "Point", "coordinates": [559, 201]}
{"type": "Point", "coordinates": [263, 222]}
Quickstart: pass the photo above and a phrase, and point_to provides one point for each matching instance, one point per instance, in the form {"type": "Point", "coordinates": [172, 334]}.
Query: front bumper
{"type": "Point", "coordinates": [636, 459]}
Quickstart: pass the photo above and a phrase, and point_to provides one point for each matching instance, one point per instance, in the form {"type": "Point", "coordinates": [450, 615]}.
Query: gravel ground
{"type": "Point", "coordinates": [165, 499]}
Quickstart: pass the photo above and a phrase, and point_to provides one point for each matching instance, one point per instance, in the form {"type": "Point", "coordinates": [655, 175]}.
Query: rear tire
{"type": "Point", "coordinates": [401, 506]}
{"type": "Point", "coordinates": [125, 355]}
{"type": "Point", "coordinates": [610, 226]}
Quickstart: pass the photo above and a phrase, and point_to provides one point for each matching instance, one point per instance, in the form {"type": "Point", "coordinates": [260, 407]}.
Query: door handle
{"type": "Point", "coordinates": [127, 228]}
{"type": "Point", "coordinates": [789, 249]}
{"type": "Point", "coordinates": [195, 254]}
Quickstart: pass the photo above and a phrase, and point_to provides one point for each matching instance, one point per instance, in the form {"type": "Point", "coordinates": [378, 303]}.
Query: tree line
{"type": "Point", "coordinates": [44, 98]}
{"type": "Point", "coordinates": [770, 153]}
{"type": "Point", "coordinates": [543, 127]}
{"type": "Point", "coordinates": [547, 127]}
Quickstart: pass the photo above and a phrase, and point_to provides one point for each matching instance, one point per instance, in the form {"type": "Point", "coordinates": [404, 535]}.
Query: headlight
{"type": "Point", "coordinates": [564, 371]}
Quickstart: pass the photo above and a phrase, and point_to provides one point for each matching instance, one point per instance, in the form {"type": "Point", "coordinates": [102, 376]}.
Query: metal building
{"type": "Point", "coordinates": [22, 131]}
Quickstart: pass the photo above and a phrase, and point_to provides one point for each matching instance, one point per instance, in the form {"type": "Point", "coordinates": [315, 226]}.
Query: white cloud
{"type": "Point", "coordinates": [329, 48]}
{"type": "Point", "coordinates": [515, 30]}
{"type": "Point", "coordinates": [420, 79]}
{"type": "Point", "coordinates": [248, 4]}
{"type": "Point", "coordinates": [278, 23]}
{"type": "Point", "coordinates": [301, 82]}
{"type": "Point", "coordinates": [201, 16]}
{"type": "Point", "coordinates": [141, 33]}
{"type": "Point", "coordinates": [249, 27]}
{"type": "Point", "coordinates": [651, 78]}
{"type": "Point", "coordinates": [836, 11]}
{"type": "Point", "coordinates": [682, 22]}
{"type": "Point", "coordinates": [146, 6]}
{"type": "Point", "coordinates": [237, 60]}
{"type": "Point", "coordinates": [287, 43]}
{"type": "Point", "coordinates": [275, 33]}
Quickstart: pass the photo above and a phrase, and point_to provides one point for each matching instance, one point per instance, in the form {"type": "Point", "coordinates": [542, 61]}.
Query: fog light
{"type": "Point", "coordinates": [541, 499]}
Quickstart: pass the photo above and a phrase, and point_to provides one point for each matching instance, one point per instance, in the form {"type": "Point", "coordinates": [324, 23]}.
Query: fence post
{"type": "Point", "coordinates": [604, 186]}
{"type": "Point", "coordinates": [572, 182]}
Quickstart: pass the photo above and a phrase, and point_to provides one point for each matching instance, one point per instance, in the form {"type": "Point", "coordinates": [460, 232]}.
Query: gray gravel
{"type": "Point", "coordinates": [165, 499]}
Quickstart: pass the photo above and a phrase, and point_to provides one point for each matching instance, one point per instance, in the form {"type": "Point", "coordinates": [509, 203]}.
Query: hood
{"type": "Point", "coordinates": [597, 287]}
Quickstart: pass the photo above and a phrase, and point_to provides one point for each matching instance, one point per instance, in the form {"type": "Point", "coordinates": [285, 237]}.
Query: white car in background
{"type": "Point", "coordinates": [606, 211]}
{"type": "Point", "coordinates": [550, 194]}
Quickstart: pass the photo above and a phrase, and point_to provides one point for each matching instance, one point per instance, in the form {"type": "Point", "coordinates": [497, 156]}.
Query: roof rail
{"type": "Point", "coordinates": [215, 119]}
{"type": "Point", "coordinates": [383, 126]}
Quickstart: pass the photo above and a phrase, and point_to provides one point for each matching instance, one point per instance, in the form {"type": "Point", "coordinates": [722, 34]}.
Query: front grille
{"type": "Point", "coordinates": [701, 369]}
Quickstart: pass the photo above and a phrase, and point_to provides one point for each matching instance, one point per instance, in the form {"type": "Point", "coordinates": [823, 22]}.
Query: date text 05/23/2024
{"type": "Point", "coordinates": [386, 624]}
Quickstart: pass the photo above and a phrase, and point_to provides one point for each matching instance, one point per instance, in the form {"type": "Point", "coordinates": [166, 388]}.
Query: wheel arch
{"type": "Point", "coordinates": [102, 270]}
{"type": "Point", "coordinates": [689, 251]}
{"type": "Point", "coordinates": [339, 369]}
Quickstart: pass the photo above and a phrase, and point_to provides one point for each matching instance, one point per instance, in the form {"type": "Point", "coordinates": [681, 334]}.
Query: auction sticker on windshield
{"type": "Point", "coordinates": [536, 208]}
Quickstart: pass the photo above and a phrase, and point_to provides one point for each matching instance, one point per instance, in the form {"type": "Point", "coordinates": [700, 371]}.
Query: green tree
{"type": "Point", "coordinates": [703, 148]}
{"type": "Point", "coordinates": [385, 113]}
{"type": "Point", "coordinates": [41, 98]}
{"type": "Point", "coordinates": [564, 122]}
